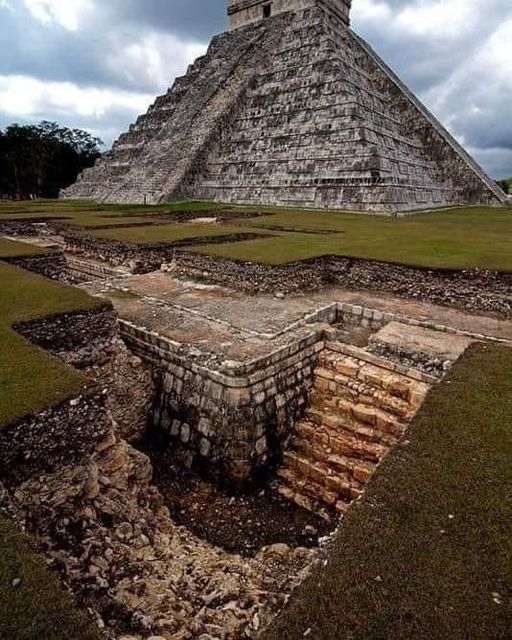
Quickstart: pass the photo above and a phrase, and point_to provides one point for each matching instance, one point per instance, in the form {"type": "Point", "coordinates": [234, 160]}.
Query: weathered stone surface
{"type": "Point", "coordinates": [359, 408]}
{"type": "Point", "coordinates": [292, 109]}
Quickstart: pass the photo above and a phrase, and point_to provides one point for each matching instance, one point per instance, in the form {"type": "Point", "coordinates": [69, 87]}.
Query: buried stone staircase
{"type": "Point", "coordinates": [360, 406]}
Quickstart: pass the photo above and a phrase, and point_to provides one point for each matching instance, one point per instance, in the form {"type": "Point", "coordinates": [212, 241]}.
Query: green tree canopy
{"type": "Point", "coordinates": [44, 158]}
{"type": "Point", "coordinates": [506, 185]}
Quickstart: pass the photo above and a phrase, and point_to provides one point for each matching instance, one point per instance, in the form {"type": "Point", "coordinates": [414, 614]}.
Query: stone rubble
{"type": "Point", "coordinates": [105, 527]}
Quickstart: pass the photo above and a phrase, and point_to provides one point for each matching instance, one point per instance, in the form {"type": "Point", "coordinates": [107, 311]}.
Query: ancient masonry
{"type": "Point", "coordinates": [301, 394]}
{"type": "Point", "coordinates": [289, 107]}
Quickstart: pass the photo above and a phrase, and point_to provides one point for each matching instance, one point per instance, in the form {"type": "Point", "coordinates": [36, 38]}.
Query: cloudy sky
{"type": "Point", "coordinates": [97, 64]}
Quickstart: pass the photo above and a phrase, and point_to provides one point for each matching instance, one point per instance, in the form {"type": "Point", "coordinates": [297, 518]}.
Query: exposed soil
{"type": "Point", "coordinates": [237, 523]}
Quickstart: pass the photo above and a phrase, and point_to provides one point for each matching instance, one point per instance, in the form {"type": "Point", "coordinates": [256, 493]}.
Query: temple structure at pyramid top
{"type": "Point", "coordinates": [289, 107]}
{"type": "Point", "coordinates": [244, 12]}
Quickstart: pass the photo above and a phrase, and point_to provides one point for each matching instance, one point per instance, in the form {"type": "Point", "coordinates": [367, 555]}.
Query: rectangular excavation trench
{"type": "Point", "coordinates": [337, 390]}
{"type": "Point", "coordinates": [305, 424]}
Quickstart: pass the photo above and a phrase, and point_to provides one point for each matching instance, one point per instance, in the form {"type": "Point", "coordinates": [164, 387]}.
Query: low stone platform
{"type": "Point", "coordinates": [433, 343]}
{"type": "Point", "coordinates": [433, 352]}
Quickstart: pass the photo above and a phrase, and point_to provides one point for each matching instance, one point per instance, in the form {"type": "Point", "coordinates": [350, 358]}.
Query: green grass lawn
{"type": "Point", "coordinates": [13, 249]}
{"type": "Point", "coordinates": [88, 214]}
{"type": "Point", "coordinates": [30, 379]}
{"type": "Point", "coordinates": [38, 608]}
{"type": "Point", "coordinates": [427, 553]}
{"type": "Point", "coordinates": [459, 238]}
{"type": "Point", "coordinates": [174, 232]}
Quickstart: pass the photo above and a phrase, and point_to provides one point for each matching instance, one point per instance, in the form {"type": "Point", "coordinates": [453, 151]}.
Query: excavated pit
{"type": "Point", "coordinates": [294, 401]}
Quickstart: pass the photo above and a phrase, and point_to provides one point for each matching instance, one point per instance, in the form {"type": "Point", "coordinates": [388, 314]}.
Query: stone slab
{"type": "Point", "coordinates": [437, 344]}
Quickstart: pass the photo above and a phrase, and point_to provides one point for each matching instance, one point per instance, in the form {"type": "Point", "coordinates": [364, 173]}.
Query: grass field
{"type": "Point", "coordinates": [176, 232]}
{"type": "Point", "coordinates": [30, 379]}
{"type": "Point", "coordinates": [427, 553]}
{"type": "Point", "coordinates": [12, 249]}
{"type": "Point", "coordinates": [459, 239]}
{"type": "Point", "coordinates": [89, 215]}
{"type": "Point", "coordinates": [37, 608]}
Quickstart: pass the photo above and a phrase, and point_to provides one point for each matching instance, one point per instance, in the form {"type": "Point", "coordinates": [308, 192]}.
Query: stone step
{"type": "Point", "coordinates": [378, 374]}
{"type": "Point", "coordinates": [360, 419]}
{"type": "Point", "coordinates": [338, 386]}
{"type": "Point", "coordinates": [343, 442]}
{"type": "Point", "coordinates": [310, 495]}
{"type": "Point", "coordinates": [336, 483]}
{"type": "Point", "coordinates": [347, 462]}
{"type": "Point", "coordinates": [360, 405]}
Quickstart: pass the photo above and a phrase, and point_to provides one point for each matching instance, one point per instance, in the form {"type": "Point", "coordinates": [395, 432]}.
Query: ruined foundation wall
{"type": "Point", "coordinates": [139, 259]}
{"type": "Point", "coordinates": [64, 433]}
{"type": "Point", "coordinates": [53, 438]}
{"type": "Point", "coordinates": [473, 290]}
{"type": "Point", "coordinates": [70, 331]}
{"type": "Point", "coordinates": [233, 421]}
{"type": "Point", "coordinates": [50, 265]}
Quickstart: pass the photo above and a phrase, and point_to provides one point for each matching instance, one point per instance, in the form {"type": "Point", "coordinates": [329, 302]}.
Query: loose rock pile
{"type": "Point", "coordinates": [105, 527]}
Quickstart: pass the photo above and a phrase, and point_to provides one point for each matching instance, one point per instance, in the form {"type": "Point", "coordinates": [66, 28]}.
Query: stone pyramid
{"type": "Point", "coordinates": [290, 107]}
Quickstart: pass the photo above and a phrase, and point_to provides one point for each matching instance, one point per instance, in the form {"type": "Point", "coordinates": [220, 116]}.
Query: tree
{"type": "Point", "coordinates": [506, 185]}
{"type": "Point", "coordinates": [42, 159]}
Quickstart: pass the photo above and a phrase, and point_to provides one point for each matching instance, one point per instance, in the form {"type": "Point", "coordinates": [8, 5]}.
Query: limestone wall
{"type": "Point", "coordinates": [53, 438]}
{"type": "Point", "coordinates": [137, 258]}
{"type": "Point", "coordinates": [473, 290]}
{"type": "Point", "coordinates": [154, 158]}
{"type": "Point", "coordinates": [323, 127]}
{"type": "Point", "coordinates": [244, 12]}
{"type": "Point", "coordinates": [233, 421]}
{"type": "Point", "coordinates": [70, 331]}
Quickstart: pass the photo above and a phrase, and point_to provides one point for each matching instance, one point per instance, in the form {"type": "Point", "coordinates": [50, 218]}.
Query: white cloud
{"type": "Point", "coordinates": [153, 60]}
{"type": "Point", "coordinates": [439, 19]}
{"type": "Point", "coordinates": [66, 13]}
{"type": "Point", "coordinates": [22, 96]}
{"type": "Point", "coordinates": [473, 91]}
{"type": "Point", "coordinates": [371, 11]}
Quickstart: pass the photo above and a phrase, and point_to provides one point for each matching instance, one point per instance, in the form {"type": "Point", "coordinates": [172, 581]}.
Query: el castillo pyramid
{"type": "Point", "coordinates": [290, 107]}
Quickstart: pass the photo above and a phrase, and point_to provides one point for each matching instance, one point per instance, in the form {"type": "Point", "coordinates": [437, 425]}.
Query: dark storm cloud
{"type": "Point", "coordinates": [195, 19]}
{"type": "Point", "coordinates": [125, 48]}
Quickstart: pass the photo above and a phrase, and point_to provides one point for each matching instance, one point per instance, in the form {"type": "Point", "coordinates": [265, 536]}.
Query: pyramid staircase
{"type": "Point", "coordinates": [360, 406]}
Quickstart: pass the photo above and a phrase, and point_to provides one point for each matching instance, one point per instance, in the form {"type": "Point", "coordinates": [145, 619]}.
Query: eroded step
{"type": "Point", "coordinates": [360, 406]}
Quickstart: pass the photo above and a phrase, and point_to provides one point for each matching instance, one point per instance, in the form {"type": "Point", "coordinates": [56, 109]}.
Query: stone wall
{"type": "Point", "coordinates": [71, 331]}
{"type": "Point", "coordinates": [244, 12]}
{"type": "Point", "coordinates": [51, 265]}
{"type": "Point", "coordinates": [53, 438]}
{"type": "Point", "coordinates": [138, 258]}
{"type": "Point", "coordinates": [231, 421]}
{"type": "Point", "coordinates": [29, 227]}
{"type": "Point", "coordinates": [323, 127]}
{"type": "Point", "coordinates": [153, 160]}
{"type": "Point", "coordinates": [473, 290]}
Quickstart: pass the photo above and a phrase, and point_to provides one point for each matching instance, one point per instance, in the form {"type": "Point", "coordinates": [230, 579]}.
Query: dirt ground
{"type": "Point", "coordinates": [237, 523]}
